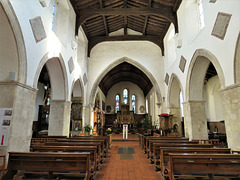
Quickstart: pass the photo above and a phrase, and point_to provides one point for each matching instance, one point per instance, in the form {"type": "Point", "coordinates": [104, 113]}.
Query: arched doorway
{"type": "Point", "coordinates": [202, 63]}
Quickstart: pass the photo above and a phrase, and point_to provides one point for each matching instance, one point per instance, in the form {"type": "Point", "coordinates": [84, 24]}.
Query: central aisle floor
{"type": "Point", "coordinates": [126, 161]}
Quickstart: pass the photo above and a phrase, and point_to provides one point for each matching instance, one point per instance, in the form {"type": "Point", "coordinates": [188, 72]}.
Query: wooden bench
{"type": "Point", "coordinates": [164, 154]}
{"type": "Point", "coordinates": [98, 144]}
{"type": "Point", "coordinates": [107, 139]}
{"type": "Point", "coordinates": [157, 146]}
{"type": "Point", "coordinates": [173, 141]}
{"type": "Point", "coordinates": [95, 161]}
{"type": "Point", "coordinates": [53, 164]}
{"type": "Point", "coordinates": [2, 164]}
{"type": "Point", "coordinates": [147, 139]}
{"type": "Point", "coordinates": [102, 141]}
{"type": "Point", "coordinates": [203, 165]}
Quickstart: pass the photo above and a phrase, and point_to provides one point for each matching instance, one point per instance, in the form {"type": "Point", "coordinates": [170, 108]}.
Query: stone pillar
{"type": "Point", "coordinates": [59, 118]}
{"type": "Point", "coordinates": [195, 122]}
{"type": "Point", "coordinates": [231, 104]}
{"type": "Point", "coordinates": [22, 99]}
{"type": "Point", "coordinates": [177, 118]}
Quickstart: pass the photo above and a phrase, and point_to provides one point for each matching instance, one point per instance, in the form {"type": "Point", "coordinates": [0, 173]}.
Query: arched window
{"type": "Point", "coordinates": [125, 96]}
{"type": "Point", "coordinates": [201, 14]}
{"type": "Point", "coordinates": [53, 14]}
{"type": "Point", "coordinates": [134, 103]}
{"type": "Point", "coordinates": [117, 100]}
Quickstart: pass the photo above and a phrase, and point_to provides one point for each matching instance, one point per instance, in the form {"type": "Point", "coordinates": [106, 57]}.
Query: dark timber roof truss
{"type": "Point", "coordinates": [150, 18]}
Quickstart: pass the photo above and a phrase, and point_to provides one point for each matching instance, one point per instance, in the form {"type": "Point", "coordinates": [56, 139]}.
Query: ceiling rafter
{"type": "Point", "coordinates": [166, 13]}
{"type": "Point", "coordinates": [104, 18]}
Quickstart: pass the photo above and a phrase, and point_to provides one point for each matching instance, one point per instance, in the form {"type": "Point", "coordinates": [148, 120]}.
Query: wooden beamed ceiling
{"type": "Point", "coordinates": [149, 18]}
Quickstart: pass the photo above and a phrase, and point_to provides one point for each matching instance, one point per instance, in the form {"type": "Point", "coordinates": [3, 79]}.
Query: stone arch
{"type": "Point", "coordinates": [174, 102]}
{"type": "Point", "coordinates": [14, 31]}
{"type": "Point", "coordinates": [77, 89]}
{"type": "Point", "coordinates": [117, 62]}
{"type": "Point", "coordinates": [58, 76]}
{"type": "Point", "coordinates": [195, 121]}
{"type": "Point", "coordinates": [174, 89]}
{"type": "Point", "coordinates": [197, 71]}
{"type": "Point", "coordinates": [237, 62]}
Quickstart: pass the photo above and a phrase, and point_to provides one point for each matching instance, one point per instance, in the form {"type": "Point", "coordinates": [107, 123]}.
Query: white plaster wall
{"type": "Point", "coordinates": [145, 53]}
{"type": "Point", "coordinates": [193, 38]}
{"type": "Point", "coordinates": [132, 89]}
{"type": "Point", "coordinates": [214, 109]}
{"type": "Point", "coordinates": [8, 49]}
{"type": "Point", "coordinates": [26, 10]}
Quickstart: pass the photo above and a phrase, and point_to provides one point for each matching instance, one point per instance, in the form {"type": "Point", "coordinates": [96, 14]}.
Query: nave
{"type": "Point", "coordinates": [126, 161]}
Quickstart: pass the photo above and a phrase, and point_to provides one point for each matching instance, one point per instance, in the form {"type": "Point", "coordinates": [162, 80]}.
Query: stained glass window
{"type": "Point", "coordinates": [125, 96]}
{"type": "Point", "coordinates": [117, 98]}
{"type": "Point", "coordinates": [134, 103]}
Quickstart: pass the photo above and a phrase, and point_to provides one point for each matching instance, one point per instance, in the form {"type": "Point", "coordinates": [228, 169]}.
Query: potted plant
{"type": "Point", "coordinates": [87, 129]}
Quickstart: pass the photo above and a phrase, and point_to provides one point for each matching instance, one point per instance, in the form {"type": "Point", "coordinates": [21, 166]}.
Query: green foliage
{"type": "Point", "coordinates": [87, 127]}
{"type": "Point", "coordinates": [147, 124]}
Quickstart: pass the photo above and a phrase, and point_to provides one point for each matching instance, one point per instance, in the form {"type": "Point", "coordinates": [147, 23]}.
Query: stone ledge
{"type": "Point", "coordinates": [229, 87]}
{"type": "Point", "coordinates": [18, 84]}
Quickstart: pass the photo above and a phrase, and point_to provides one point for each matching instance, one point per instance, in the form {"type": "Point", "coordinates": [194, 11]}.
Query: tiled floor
{"type": "Point", "coordinates": [114, 168]}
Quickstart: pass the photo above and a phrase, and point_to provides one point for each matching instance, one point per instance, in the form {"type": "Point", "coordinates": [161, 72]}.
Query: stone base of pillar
{"type": "Point", "coordinates": [195, 122]}
{"type": "Point", "coordinates": [59, 118]}
{"type": "Point", "coordinates": [231, 104]}
{"type": "Point", "coordinates": [22, 99]}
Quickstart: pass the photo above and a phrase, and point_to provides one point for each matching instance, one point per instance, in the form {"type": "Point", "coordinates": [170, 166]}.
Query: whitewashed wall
{"type": "Point", "coordinates": [214, 109]}
{"type": "Point", "coordinates": [193, 38]}
{"type": "Point", "coordinates": [58, 42]}
{"type": "Point", "coordinates": [146, 54]}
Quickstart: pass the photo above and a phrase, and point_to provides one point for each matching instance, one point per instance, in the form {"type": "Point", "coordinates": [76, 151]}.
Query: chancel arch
{"type": "Point", "coordinates": [174, 90]}
{"type": "Point", "coordinates": [134, 63]}
{"type": "Point", "coordinates": [203, 67]}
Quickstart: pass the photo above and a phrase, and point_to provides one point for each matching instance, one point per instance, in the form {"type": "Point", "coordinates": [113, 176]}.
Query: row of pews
{"type": "Point", "coordinates": [179, 158]}
{"type": "Point", "coordinates": [59, 158]}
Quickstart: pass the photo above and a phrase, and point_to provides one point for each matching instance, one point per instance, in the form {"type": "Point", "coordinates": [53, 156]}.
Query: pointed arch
{"type": "Point", "coordinates": [197, 71]}
{"type": "Point", "coordinates": [77, 89]}
{"type": "Point", "coordinates": [174, 89]}
{"type": "Point", "coordinates": [114, 64]}
{"type": "Point", "coordinates": [20, 44]}
{"type": "Point", "coordinates": [58, 76]}
{"type": "Point", "coordinates": [237, 62]}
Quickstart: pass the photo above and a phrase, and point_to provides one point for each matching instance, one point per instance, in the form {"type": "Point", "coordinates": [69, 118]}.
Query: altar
{"type": "Point", "coordinates": [125, 116]}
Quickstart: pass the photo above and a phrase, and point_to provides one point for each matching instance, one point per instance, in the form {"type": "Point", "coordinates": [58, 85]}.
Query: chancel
{"type": "Point", "coordinates": [119, 89]}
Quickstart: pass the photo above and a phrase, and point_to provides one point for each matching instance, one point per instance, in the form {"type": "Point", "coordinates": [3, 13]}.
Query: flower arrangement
{"type": "Point", "coordinates": [109, 130]}
{"type": "Point", "coordinates": [87, 128]}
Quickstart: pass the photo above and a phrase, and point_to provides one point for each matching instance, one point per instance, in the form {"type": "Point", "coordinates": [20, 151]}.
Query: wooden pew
{"type": "Point", "coordinates": [200, 165]}
{"type": "Point", "coordinates": [107, 139]}
{"type": "Point", "coordinates": [2, 164]}
{"type": "Point", "coordinates": [157, 146]}
{"type": "Point", "coordinates": [51, 163]}
{"type": "Point", "coordinates": [86, 140]}
{"type": "Point", "coordinates": [173, 141]}
{"type": "Point", "coordinates": [147, 138]}
{"type": "Point", "coordinates": [98, 144]}
{"type": "Point", "coordinates": [164, 154]}
{"type": "Point", "coordinates": [95, 161]}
